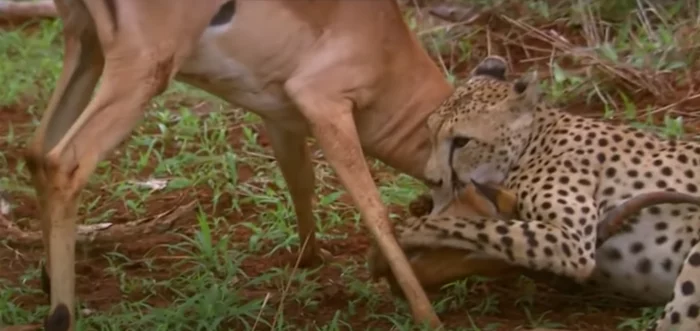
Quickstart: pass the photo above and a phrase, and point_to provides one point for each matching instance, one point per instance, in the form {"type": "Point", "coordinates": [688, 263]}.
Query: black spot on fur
{"type": "Point", "coordinates": [548, 251]}
{"type": "Point", "coordinates": [568, 222]}
{"type": "Point", "coordinates": [644, 266]}
{"type": "Point", "coordinates": [667, 265]}
{"type": "Point", "coordinates": [225, 14]}
{"type": "Point", "coordinates": [677, 245]}
{"type": "Point", "coordinates": [666, 171]}
{"type": "Point", "coordinates": [501, 229]}
{"type": "Point", "coordinates": [694, 259]}
{"type": "Point", "coordinates": [675, 317]}
{"type": "Point", "coordinates": [660, 240]}
{"type": "Point", "coordinates": [431, 227]}
{"type": "Point", "coordinates": [483, 237]}
{"type": "Point", "coordinates": [507, 241]}
{"type": "Point", "coordinates": [613, 254]}
{"type": "Point", "coordinates": [550, 238]}
{"type": "Point", "coordinates": [687, 288]}
{"type": "Point", "coordinates": [636, 247]}
{"type": "Point", "coordinates": [520, 86]}
{"type": "Point", "coordinates": [565, 248]}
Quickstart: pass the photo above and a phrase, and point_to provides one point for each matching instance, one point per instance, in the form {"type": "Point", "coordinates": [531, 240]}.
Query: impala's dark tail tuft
{"type": "Point", "coordinates": [617, 217]}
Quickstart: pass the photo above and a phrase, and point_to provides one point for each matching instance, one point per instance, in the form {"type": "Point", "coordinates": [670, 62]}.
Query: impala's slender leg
{"type": "Point", "coordinates": [139, 61]}
{"type": "Point", "coordinates": [82, 65]}
{"type": "Point", "coordinates": [294, 159]}
{"type": "Point", "coordinates": [61, 173]}
{"type": "Point", "coordinates": [330, 115]}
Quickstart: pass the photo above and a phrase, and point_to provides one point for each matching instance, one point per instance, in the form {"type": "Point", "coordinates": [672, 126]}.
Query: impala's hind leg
{"type": "Point", "coordinates": [82, 64]}
{"type": "Point", "coordinates": [139, 61]}
{"type": "Point", "coordinates": [294, 160]}
{"type": "Point", "coordinates": [61, 172]}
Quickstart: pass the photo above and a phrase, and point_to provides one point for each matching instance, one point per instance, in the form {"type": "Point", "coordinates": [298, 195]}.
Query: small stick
{"type": "Point", "coordinates": [101, 233]}
{"type": "Point", "coordinates": [34, 9]}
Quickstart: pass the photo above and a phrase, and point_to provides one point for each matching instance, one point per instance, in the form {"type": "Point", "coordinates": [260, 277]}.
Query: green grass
{"type": "Point", "coordinates": [191, 146]}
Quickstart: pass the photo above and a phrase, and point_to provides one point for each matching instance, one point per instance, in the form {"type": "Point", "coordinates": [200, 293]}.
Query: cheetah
{"type": "Point", "coordinates": [437, 266]}
{"type": "Point", "coordinates": [567, 172]}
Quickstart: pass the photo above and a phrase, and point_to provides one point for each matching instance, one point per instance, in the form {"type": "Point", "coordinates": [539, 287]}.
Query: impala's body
{"type": "Point", "coordinates": [349, 73]}
{"type": "Point", "coordinates": [361, 57]}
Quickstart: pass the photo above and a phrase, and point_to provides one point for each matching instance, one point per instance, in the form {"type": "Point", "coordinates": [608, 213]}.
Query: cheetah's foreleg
{"type": "Point", "coordinates": [532, 244]}
{"type": "Point", "coordinates": [682, 313]}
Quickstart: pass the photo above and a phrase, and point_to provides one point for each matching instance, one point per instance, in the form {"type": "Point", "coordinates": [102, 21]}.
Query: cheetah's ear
{"type": "Point", "coordinates": [526, 93]}
{"type": "Point", "coordinates": [493, 66]}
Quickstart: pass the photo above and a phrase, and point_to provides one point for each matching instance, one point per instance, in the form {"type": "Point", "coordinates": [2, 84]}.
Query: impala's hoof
{"type": "Point", "coordinates": [321, 257]}
{"type": "Point", "coordinates": [59, 320]}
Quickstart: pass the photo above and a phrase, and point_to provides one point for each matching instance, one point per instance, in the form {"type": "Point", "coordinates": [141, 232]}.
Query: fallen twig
{"type": "Point", "coordinates": [33, 9]}
{"type": "Point", "coordinates": [102, 233]}
{"type": "Point", "coordinates": [30, 327]}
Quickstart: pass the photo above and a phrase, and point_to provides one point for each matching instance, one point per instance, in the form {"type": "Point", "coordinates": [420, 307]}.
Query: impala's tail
{"type": "Point", "coordinates": [615, 219]}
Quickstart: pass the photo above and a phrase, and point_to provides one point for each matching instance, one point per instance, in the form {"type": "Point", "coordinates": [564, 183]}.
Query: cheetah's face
{"type": "Point", "coordinates": [480, 134]}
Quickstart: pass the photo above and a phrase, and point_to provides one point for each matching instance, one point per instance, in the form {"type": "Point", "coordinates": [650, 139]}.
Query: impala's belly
{"type": "Point", "coordinates": [643, 264]}
{"type": "Point", "coordinates": [219, 71]}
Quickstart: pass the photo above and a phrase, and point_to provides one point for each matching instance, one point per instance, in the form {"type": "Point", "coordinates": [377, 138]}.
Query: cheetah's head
{"type": "Point", "coordinates": [480, 132]}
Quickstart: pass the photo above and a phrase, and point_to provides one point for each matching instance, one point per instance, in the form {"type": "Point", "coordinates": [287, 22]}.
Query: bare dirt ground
{"type": "Point", "coordinates": [223, 258]}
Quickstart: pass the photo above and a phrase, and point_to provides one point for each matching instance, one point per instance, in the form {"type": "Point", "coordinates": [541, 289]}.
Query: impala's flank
{"type": "Point", "coordinates": [348, 73]}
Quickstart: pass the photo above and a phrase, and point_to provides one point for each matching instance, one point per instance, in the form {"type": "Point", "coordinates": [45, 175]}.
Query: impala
{"type": "Point", "coordinates": [348, 72]}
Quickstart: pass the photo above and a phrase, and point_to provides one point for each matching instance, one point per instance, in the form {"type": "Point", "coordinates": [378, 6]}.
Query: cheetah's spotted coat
{"type": "Point", "coordinates": [568, 172]}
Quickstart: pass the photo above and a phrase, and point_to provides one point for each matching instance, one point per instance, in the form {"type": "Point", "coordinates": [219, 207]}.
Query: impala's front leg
{"type": "Point", "coordinates": [330, 115]}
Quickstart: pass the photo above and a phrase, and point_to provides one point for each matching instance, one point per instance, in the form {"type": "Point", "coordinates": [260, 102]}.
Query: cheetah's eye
{"type": "Point", "coordinates": [459, 142]}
